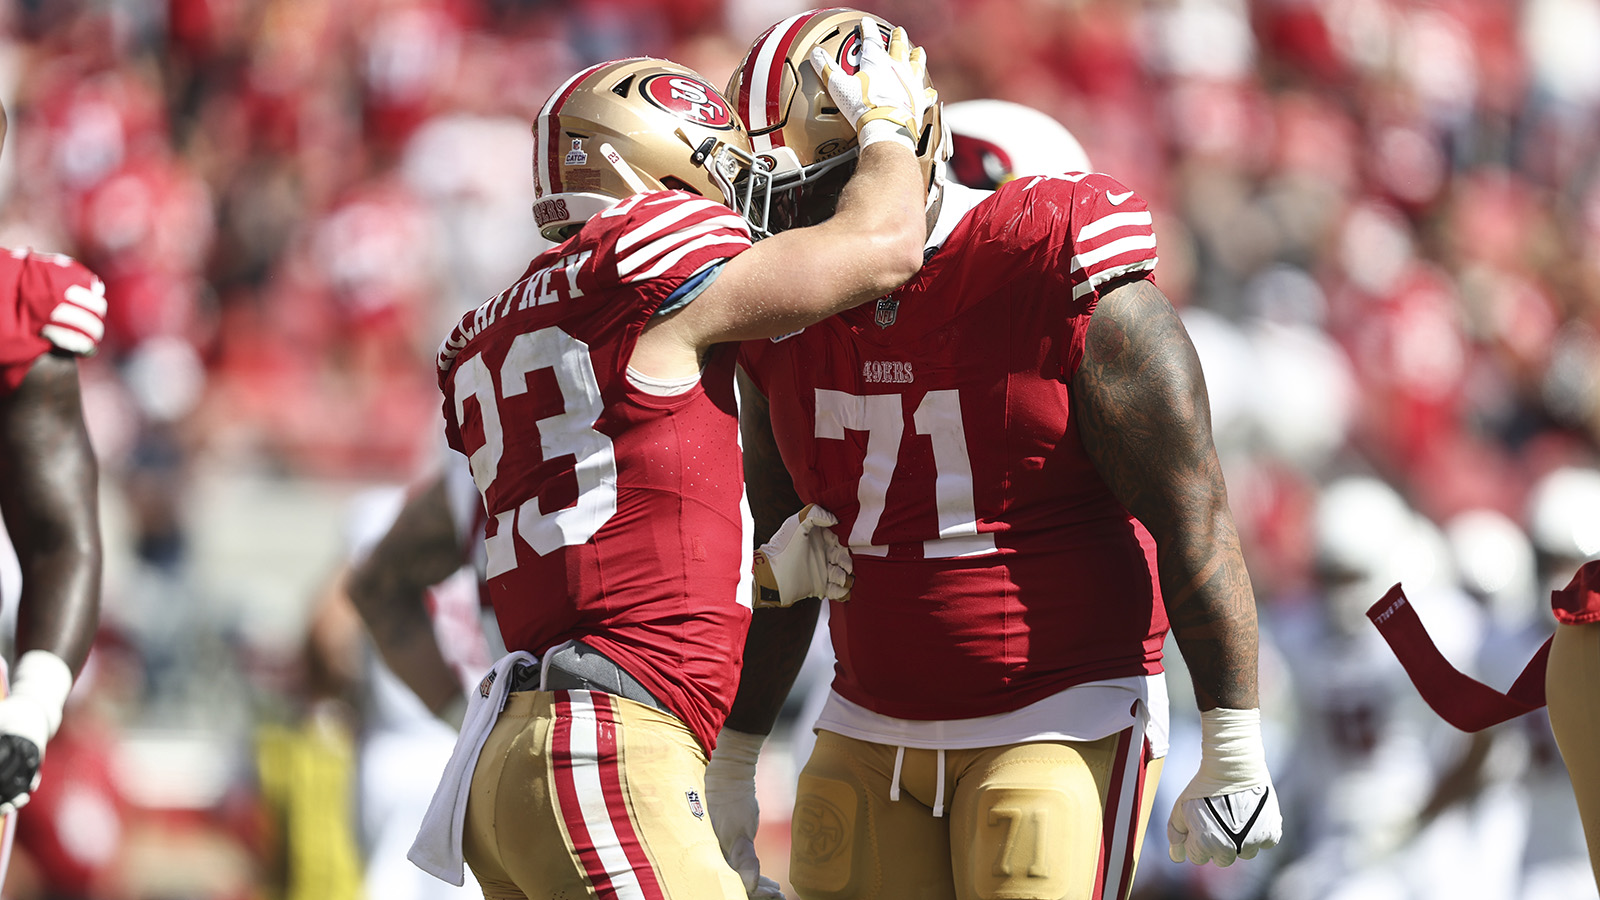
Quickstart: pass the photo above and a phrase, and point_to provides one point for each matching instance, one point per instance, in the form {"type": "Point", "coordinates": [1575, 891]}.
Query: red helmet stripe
{"type": "Point", "coordinates": [763, 74]}
{"type": "Point", "coordinates": [550, 126]}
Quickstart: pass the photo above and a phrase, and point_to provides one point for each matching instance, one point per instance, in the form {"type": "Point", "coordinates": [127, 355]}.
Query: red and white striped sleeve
{"type": "Point", "coordinates": [673, 235]}
{"type": "Point", "coordinates": [1112, 234]}
{"type": "Point", "coordinates": [67, 300]}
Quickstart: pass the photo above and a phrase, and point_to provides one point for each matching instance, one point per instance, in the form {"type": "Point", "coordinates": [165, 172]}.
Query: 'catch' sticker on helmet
{"type": "Point", "coordinates": [688, 98]}
{"type": "Point", "coordinates": [850, 50]}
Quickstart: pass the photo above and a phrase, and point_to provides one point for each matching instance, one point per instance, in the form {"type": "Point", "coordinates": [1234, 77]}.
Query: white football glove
{"type": "Point", "coordinates": [1229, 810]}
{"type": "Point", "coordinates": [735, 815]}
{"type": "Point", "coordinates": [887, 86]}
{"type": "Point", "coordinates": [29, 718]}
{"type": "Point", "coordinates": [803, 559]}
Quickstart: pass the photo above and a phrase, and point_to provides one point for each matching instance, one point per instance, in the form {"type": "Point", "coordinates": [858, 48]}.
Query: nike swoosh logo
{"type": "Point", "coordinates": [1237, 837]}
{"type": "Point", "coordinates": [1116, 199]}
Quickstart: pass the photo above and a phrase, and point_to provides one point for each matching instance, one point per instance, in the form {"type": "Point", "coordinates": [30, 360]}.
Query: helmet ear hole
{"type": "Point", "coordinates": [672, 183]}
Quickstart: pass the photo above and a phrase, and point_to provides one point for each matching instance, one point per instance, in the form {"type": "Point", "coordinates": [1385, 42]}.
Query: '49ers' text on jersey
{"type": "Point", "coordinates": [46, 301]}
{"type": "Point", "coordinates": [613, 514]}
{"type": "Point", "coordinates": [937, 425]}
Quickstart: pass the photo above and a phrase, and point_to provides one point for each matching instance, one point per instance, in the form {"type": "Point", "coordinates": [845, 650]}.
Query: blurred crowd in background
{"type": "Point", "coordinates": [1381, 219]}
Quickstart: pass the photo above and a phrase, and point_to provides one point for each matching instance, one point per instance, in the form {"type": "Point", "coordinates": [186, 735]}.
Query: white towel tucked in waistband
{"type": "Point", "coordinates": [437, 849]}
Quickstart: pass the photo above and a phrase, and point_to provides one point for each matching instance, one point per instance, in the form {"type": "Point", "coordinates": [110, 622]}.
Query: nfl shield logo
{"type": "Point", "coordinates": [486, 685]}
{"type": "Point", "coordinates": [695, 806]}
{"type": "Point", "coordinates": [885, 313]}
{"type": "Point", "coordinates": [576, 156]}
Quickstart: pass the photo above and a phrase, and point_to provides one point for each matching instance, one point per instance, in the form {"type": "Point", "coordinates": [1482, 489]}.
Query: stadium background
{"type": "Point", "coordinates": [1380, 217]}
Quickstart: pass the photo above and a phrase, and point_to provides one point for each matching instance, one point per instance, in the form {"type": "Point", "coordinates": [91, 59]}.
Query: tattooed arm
{"type": "Point", "coordinates": [1145, 420]}
{"type": "Point", "coordinates": [778, 638]}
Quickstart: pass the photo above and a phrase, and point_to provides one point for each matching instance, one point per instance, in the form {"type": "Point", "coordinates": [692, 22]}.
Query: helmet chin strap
{"type": "Point", "coordinates": [935, 198]}
{"type": "Point", "coordinates": [610, 155]}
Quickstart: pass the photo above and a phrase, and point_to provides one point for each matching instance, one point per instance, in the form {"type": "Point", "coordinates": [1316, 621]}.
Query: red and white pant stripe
{"type": "Point", "coordinates": [585, 756]}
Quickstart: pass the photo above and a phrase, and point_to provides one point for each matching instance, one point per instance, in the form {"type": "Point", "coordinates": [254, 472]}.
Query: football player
{"type": "Point", "coordinates": [595, 401]}
{"type": "Point", "coordinates": [52, 311]}
{"type": "Point", "coordinates": [1017, 448]}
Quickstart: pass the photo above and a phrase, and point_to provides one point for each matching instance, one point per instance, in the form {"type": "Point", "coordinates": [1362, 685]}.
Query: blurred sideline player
{"type": "Point", "coordinates": [1561, 676]}
{"type": "Point", "coordinates": [52, 310]}
{"type": "Point", "coordinates": [595, 401]}
{"type": "Point", "coordinates": [992, 142]}
{"type": "Point", "coordinates": [410, 550]}
{"type": "Point", "coordinates": [436, 533]}
{"type": "Point", "coordinates": [1003, 742]}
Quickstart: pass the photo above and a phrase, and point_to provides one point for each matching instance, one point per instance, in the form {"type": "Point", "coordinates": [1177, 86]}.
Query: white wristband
{"type": "Point", "coordinates": [738, 747]}
{"type": "Point", "coordinates": [47, 679]}
{"type": "Point", "coordinates": [885, 130]}
{"type": "Point", "coordinates": [1231, 754]}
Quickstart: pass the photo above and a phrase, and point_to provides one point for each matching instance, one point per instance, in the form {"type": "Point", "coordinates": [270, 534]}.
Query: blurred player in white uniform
{"type": "Point", "coordinates": [411, 558]}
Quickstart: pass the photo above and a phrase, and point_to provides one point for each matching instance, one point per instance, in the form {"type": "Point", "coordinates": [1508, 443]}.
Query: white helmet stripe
{"type": "Point", "coordinates": [546, 140]}
{"type": "Point", "coordinates": [764, 79]}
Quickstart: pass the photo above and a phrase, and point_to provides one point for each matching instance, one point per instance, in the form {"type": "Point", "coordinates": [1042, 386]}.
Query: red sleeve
{"type": "Point", "coordinates": [46, 301]}
{"type": "Point", "coordinates": [1106, 234]}
{"type": "Point", "coordinates": [665, 237]}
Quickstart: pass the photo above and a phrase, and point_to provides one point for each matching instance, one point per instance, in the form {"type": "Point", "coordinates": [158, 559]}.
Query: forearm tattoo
{"type": "Point", "coordinates": [1143, 416]}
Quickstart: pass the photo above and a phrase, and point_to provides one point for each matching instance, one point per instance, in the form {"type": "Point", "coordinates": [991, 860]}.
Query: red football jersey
{"type": "Point", "coordinates": [46, 300]}
{"type": "Point", "coordinates": [993, 566]}
{"type": "Point", "coordinates": [614, 515]}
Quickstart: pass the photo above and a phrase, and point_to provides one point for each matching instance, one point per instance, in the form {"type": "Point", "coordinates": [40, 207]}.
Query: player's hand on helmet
{"type": "Point", "coordinates": [803, 559]}
{"type": "Point", "coordinates": [735, 815]}
{"type": "Point", "coordinates": [1230, 809]}
{"type": "Point", "coordinates": [29, 717]}
{"type": "Point", "coordinates": [887, 86]}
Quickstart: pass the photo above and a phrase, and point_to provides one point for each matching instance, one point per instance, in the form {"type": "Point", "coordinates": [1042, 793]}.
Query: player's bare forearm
{"type": "Point", "coordinates": [389, 590]}
{"type": "Point", "coordinates": [779, 638]}
{"type": "Point", "coordinates": [767, 483]}
{"type": "Point", "coordinates": [48, 492]}
{"type": "Point", "coordinates": [1144, 418]}
{"type": "Point", "coordinates": [773, 653]}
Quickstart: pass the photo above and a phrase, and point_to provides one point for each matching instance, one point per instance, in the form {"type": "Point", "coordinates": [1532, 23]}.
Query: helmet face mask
{"type": "Point", "coordinates": [627, 126]}
{"type": "Point", "coordinates": [793, 122]}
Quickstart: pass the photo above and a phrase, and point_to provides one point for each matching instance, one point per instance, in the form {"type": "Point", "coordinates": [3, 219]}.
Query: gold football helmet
{"type": "Point", "coordinates": [632, 125]}
{"type": "Point", "coordinates": [794, 126]}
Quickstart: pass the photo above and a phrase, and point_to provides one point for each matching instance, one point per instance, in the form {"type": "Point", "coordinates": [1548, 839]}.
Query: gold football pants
{"type": "Point", "coordinates": [1572, 691]}
{"type": "Point", "coordinates": [1035, 821]}
{"type": "Point", "coordinates": [583, 794]}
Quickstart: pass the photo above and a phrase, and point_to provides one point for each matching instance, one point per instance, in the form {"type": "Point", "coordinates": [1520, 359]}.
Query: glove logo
{"type": "Point", "coordinates": [697, 808]}
{"type": "Point", "coordinates": [850, 50]}
{"type": "Point", "coordinates": [1237, 837]}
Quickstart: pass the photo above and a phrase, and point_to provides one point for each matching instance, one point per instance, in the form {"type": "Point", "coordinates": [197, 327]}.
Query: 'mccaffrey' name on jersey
{"type": "Point", "coordinates": [557, 281]}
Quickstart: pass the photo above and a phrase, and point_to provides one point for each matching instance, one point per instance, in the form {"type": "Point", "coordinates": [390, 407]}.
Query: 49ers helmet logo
{"type": "Point", "coordinates": [850, 50]}
{"type": "Point", "coordinates": [688, 98]}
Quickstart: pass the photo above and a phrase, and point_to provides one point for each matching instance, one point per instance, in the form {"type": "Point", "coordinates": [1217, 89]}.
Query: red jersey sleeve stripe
{"type": "Point", "coordinates": [671, 211]}
{"type": "Point", "coordinates": [725, 226]}
{"type": "Point", "coordinates": [703, 244]}
{"type": "Point", "coordinates": [76, 317]}
{"type": "Point", "coordinates": [68, 339]}
{"type": "Point", "coordinates": [1089, 259]}
{"type": "Point", "coordinates": [1114, 221]}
